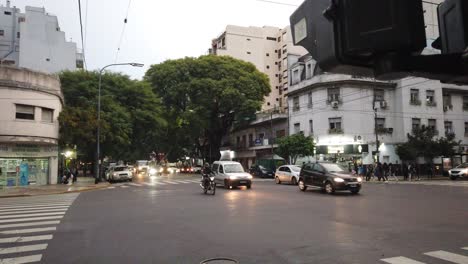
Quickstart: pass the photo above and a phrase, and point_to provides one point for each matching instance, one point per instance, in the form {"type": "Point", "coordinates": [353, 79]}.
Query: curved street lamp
{"type": "Point", "coordinates": [97, 175]}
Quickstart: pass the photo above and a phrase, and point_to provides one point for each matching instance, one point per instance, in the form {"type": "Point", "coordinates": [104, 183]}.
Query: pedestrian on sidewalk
{"type": "Point", "coordinates": [416, 172]}
{"type": "Point", "coordinates": [369, 172]}
{"type": "Point", "coordinates": [378, 171]}
{"type": "Point", "coordinates": [410, 171]}
{"type": "Point", "coordinates": [385, 170]}
{"type": "Point", "coordinates": [75, 174]}
{"type": "Point", "coordinates": [361, 170]}
{"type": "Point", "coordinates": [405, 172]}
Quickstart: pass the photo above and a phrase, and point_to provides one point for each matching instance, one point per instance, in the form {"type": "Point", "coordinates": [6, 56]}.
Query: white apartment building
{"type": "Point", "coordinates": [268, 49]}
{"type": "Point", "coordinates": [33, 40]}
{"type": "Point", "coordinates": [30, 103]}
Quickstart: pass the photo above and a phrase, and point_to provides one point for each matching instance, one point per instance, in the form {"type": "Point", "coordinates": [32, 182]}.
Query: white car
{"type": "Point", "coordinates": [120, 173]}
{"type": "Point", "coordinates": [287, 173]}
{"type": "Point", "coordinates": [231, 174]}
{"type": "Point", "coordinates": [458, 172]}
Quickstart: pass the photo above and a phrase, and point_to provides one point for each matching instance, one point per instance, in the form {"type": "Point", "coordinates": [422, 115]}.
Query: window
{"type": "Point", "coordinates": [18, 34]}
{"type": "Point", "coordinates": [311, 127]}
{"type": "Point", "coordinates": [432, 124]}
{"type": "Point", "coordinates": [215, 167]}
{"type": "Point", "coordinates": [248, 39]}
{"type": "Point", "coordinates": [333, 94]}
{"type": "Point", "coordinates": [414, 97]}
{"type": "Point", "coordinates": [335, 123]}
{"type": "Point", "coordinates": [279, 54]}
{"type": "Point", "coordinates": [250, 139]}
{"type": "Point", "coordinates": [279, 39]}
{"type": "Point", "coordinates": [447, 101]}
{"type": "Point", "coordinates": [280, 102]}
{"type": "Point", "coordinates": [379, 95]}
{"type": "Point", "coordinates": [466, 129]}
{"type": "Point", "coordinates": [2, 32]}
{"type": "Point", "coordinates": [8, 13]}
{"type": "Point", "coordinates": [448, 127]}
{"type": "Point", "coordinates": [271, 38]}
{"type": "Point", "coordinates": [309, 71]}
{"type": "Point", "coordinates": [47, 115]}
{"type": "Point", "coordinates": [221, 170]}
{"type": "Point", "coordinates": [296, 105]}
{"type": "Point", "coordinates": [21, 19]}
{"type": "Point", "coordinates": [297, 128]}
{"type": "Point", "coordinates": [295, 76]}
{"type": "Point", "coordinates": [465, 103]}
{"type": "Point", "coordinates": [268, 67]}
{"type": "Point", "coordinates": [268, 54]}
{"type": "Point", "coordinates": [248, 52]}
{"type": "Point", "coordinates": [430, 97]}
{"type": "Point", "coordinates": [416, 123]}
{"type": "Point", "coordinates": [309, 100]}
{"type": "Point", "coordinates": [25, 112]}
{"type": "Point", "coordinates": [285, 51]}
{"type": "Point", "coordinates": [280, 133]}
{"type": "Point", "coordinates": [380, 123]}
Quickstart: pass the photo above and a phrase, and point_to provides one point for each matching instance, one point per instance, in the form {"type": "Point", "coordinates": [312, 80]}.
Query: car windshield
{"type": "Point", "coordinates": [120, 168]}
{"type": "Point", "coordinates": [332, 167]}
{"type": "Point", "coordinates": [295, 168]}
{"type": "Point", "coordinates": [463, 166]}
{"type": "Point", "coordinates": [261, 167]}
{"type": "Point", "coordinates": [233, 168]}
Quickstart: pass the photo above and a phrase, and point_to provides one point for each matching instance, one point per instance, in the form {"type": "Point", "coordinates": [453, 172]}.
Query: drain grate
{"type": "Point", "coordinates": [219, 261]}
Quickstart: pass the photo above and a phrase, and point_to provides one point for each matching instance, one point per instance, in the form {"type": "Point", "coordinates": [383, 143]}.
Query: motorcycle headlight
{"type": "Point", "coordinates": [338, 180]}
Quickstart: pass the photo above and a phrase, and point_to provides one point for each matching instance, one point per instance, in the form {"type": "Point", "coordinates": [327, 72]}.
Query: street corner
{"type": "Point", "coordinates": [50, 190]}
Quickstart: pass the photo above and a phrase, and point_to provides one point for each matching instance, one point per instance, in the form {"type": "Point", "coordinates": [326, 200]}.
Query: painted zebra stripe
{"type": "Point", "coordinates": [135, 184]}
{"type": "Point", "coordinates": [123, 186]}
{"type": "Point", "coordinates": [20, 249]}
{"type": "Point", "coordinates": [34, 206]}
{"type": "Point", "coordinates": [26, 231]}
{"type": "Point", "coordinates": [30, 224]}
{"type": "Point", "coordinates": [30, 215]}
{"type": "Point", "coordinates": [21, 260]}
{"type": "Point", "coordinates": [25, 239]}
{"type": "Point", "coordinates": [30, 219]}
{"type": "Point", "coordinates": [448, 256]}
{"type": "Point", "coordinates": [401, 260]}
{"type": "Point", "coordinates": [21, 211]}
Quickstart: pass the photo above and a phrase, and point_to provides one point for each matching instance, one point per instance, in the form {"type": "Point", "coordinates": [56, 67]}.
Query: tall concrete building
{"type": "Point", "coordinates": [268, 49]}
{"type": "Point", "coordinates": [33, 40]}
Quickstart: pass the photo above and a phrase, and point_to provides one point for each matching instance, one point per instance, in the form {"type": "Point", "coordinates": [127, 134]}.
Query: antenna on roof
{"type": "Point", "coordinates": [8, 3]}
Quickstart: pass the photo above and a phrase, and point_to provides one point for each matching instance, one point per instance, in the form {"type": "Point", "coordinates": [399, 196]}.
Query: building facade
{"type": "Point", "coordinates": [33, 40]}
{"type": "Point", "coordinates": [30, 103]}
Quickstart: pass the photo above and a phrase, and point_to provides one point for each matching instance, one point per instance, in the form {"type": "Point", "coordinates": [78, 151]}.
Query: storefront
{"type": "Point", "coordinates": [343, 153]}
{"type": "Point", "coordinates": [27, 164]}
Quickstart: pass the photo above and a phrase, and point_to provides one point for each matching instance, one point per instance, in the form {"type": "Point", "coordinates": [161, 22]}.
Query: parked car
{"type": "Point", "coordinates": [458, 172]}
{"type": "Point", "coordinates": [231, 174]}
{"type": "Point", "coordinates": [287, 173]}
{"type": "Point", "coordinates": [119, 173]}
{"type": "Point", "coordinates": [330, 177]}
{"type": "Point", "coordinates": [262, 172]}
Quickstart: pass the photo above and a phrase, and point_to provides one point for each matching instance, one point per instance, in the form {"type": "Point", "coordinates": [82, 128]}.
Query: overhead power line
{"type": "Point", "coordinates": [123, 32]}
{"type": "Point", "coordinates": [277, 3]}
{"type": "Point", "coordinates": [82, 37]}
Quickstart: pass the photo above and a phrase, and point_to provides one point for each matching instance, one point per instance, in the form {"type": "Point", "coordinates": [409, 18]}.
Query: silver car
{"type": "Point", "coordinates": [120, 173]}
{"type": "Point", "coordinates": [458, 172]}
{"type": "Point", "coordinates": [287, 173]}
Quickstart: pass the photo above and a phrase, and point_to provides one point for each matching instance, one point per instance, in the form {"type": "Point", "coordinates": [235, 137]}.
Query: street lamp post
{"type": "Point", "coordinates": [97, 175]}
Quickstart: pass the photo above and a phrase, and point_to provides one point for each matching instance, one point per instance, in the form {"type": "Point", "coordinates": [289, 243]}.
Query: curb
{"type": "Point", "coordinates": [56, 192]}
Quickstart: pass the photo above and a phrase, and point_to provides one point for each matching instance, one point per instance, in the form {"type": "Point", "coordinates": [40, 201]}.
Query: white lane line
{"type": "Point", "coordinates": [20, 249]}
{"type": "Point", "coordinates": [401, 260]}
{"type": "Point", "coordinates": [159, 183]}
{"type": "Point", "coordinates": [34, 206]}
{"type": "Point", "coordinates": [30, 224]}
{"type": "Point", "coordinates": [21, 260]}
{"type": "Point", "coordinates": [21, 211]}
{"type": "Point", "coordinates": [170, 182]}
{"type": "Point", "coordinates": [123, 186]}
{"type": "Point", "coordinates": [465, 248]}
{"type": "Point", "coordinates": [25, 239]}
{"type": "Point", "coordinates": [111, 187]}
{"type": "Point", "coordinates": [447, 256]}
{"type": "Point", "coordinates": [135, 184]}
{"type": "Point", "coordinates": [195, 181]}
{"type": "Point", "coordinates": [183, 181]}
{"type": "Point", "coordinates": [30, 219]}
{"type": "Point", "coordinates": [26, 231]}
{"type": "Point", "coordinates": [30, 215]}
{"type": "Point", "coordinates": [38, 202]}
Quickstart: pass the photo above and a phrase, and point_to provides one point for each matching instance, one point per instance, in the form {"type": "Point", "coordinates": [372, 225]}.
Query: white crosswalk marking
{"type": "Point", "coordinates": [26, 223]}
{"type": "Point", "coordinates": [401, 260]}
{"type": "Point", "coordinates": [465, 248]}
{"type": "Point", "coordinates": [171, 182]}
{"type": "Point", "coordinates": [25, 239]}
{"type": "Point", "coordinates": [448, 256]}
{"type": "Point", "coordinates": [135, 184]}
{"type": "Point", "coordinates": [21, 260]}
{"type": "Point", "coordinates": [123, 186]}
{"type": "Point", "coordinates": [111, 187]}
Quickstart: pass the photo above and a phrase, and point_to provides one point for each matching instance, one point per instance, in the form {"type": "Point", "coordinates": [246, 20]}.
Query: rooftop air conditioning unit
{"type": "Point", "coordinates": [335, 104]}
{"type": "Point", "coordinates": [383, 104]}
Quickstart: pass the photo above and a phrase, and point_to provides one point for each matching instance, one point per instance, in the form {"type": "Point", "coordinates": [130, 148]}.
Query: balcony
{"type": "Point", "coordinates": [448, 107]}
{"type": "Point", "coordinates": [465, 107]}
{"type": "Point", "coordinates": [384, 130]}
{"type": "Point", "coordinates": [416, 102]}
{"type": "Point", "coordinates": [269, 115]}
{"type": "Point", "coordinates": [431, 103]}
{"type": "Point", "coordinates": [335, 131]}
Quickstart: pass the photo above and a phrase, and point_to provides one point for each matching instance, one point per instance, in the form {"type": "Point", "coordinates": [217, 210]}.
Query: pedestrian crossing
{"type": "Point", "coordinates": [435, 255]}
{"type": "Point", "coordinates": [154, 183]}
{"type": "Point", "coordinates": [28, 223]}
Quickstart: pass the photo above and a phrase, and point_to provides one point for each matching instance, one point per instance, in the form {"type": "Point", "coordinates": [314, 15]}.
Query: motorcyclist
{"type": "Point", "coordinates": [206, 172]}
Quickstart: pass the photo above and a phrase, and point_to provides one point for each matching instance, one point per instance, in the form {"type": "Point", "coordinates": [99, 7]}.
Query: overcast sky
{"type": "Point", "coordinates": [157, 30]}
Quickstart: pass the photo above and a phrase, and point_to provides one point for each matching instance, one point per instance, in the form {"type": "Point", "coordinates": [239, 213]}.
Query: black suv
{"type": "Point", "coordinates": [262, 172]}
{"type": "Point", "coordinates": [330, 177]}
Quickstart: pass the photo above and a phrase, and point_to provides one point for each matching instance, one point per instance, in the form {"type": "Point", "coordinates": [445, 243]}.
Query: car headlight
{"type": "Point", "coordinates": [152, 171]}
{"type": "Point", "coordinates": [115, 174]}
{"type": "Point", "coordinates": [161, 170]}
{"type": "Point", "coordinates": [338, 180]}
{"type": "Point", "coordinates": [249, 177]}
{"type": "Point", "coordinates": [359, 179]}
{"type": "Point", "coordinates": [232, 177]}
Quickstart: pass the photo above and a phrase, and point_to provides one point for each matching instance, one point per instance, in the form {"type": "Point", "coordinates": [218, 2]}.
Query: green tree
{"type": "Point", "coordinates": [203, 96]}
{"type": "Point", "coordinates": [131, 118]}
{"type": "Point", "coordinates": [294, 146]}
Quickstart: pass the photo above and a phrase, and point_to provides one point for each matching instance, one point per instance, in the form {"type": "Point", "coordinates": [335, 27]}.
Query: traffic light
{"type": "Point", "coordinates": [351, 36]}
{"type": "Point", "coordinates": [453, 26]}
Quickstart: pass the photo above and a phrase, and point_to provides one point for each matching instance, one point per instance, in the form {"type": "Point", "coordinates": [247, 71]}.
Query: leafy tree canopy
{"type": "Point", "coordinates": [295, 146]}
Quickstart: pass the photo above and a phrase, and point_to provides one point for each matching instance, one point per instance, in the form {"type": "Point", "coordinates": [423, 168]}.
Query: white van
{"type": "Point", "coordinates": [231, 174]}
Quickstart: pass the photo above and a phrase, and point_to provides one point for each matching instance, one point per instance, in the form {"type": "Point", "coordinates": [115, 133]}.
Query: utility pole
{"type": "Point", "coordinates": [271, 141]}
{"type": "Point", "coordinates": [376, 135]}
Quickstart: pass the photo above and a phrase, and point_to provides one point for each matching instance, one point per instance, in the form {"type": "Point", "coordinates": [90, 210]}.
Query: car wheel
{"type": "Point", "coordinates": [302, 185]}
{"type": "Point", "coordinates": [329, 188]}
{"type": "Point", "coordinates": [226, 184]}
{"type": "Point", "coordinates": [453, 178]}
{"type": "Point", "coordinates": [277, 180]}
{"type": "Point", "coordinates": [293, 180]}
{"type": "Point", "coordinates": [249, 186]}
{"type": "Point", "coordinates": [355, 191]}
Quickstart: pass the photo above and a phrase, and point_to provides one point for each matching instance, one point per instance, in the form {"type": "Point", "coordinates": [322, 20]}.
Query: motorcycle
{"type": "Point", "coordinates": [207, 184]}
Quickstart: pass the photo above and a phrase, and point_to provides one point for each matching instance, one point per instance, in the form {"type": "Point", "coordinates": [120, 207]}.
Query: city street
{"type": "Point", "coordinates": [169, 220]}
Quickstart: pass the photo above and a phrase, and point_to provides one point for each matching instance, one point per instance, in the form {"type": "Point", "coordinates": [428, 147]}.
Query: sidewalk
{"type": "Point", "coordinates": [401, 179]}
{"type": "Point", "coordinates": [83, 184]}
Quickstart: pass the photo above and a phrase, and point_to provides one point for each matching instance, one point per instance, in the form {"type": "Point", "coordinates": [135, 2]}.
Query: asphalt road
{"type": "Point", "coordinates": [169, 220]}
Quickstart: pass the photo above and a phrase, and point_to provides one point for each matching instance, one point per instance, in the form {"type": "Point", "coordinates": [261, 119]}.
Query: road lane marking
{"type": "Point", "coordinates": [26, 202]}
{"type": "Point", "coordinates": [184, 181]}
{"type": "Point", "coordinates": [30, 224]}
{"type": "Point", "coordinates": [135, 184]}
{"type": "Point", "coordinates": [465, 248]}
{"type": "Point", "coordinates": [21, 260]}
{"type": "Point", "coordinates": [401, 260]}
{"type": "Point", "coordinates": [34, 206]}
{"type": "Point", "coordinates": [25, 239]}
{"type": "Point", "coordinates": [30, 215]}
{"type": "Point", "coordinates": [123, 186]}
{"type": "Point", "coordinates": [170, 182]}
{"type": "Point", "coordinates": [26, 231]}
{"type": "Point", "coordinates": [22, 210]}
{"type": "Point", "coordinates": [30, 219]}
{"type": "Point", "coordinates": [447, 256]}
{"type": "Point", "coordinates": [20, 249]}
{"type": "Point", "coordinates": [111, 187]}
